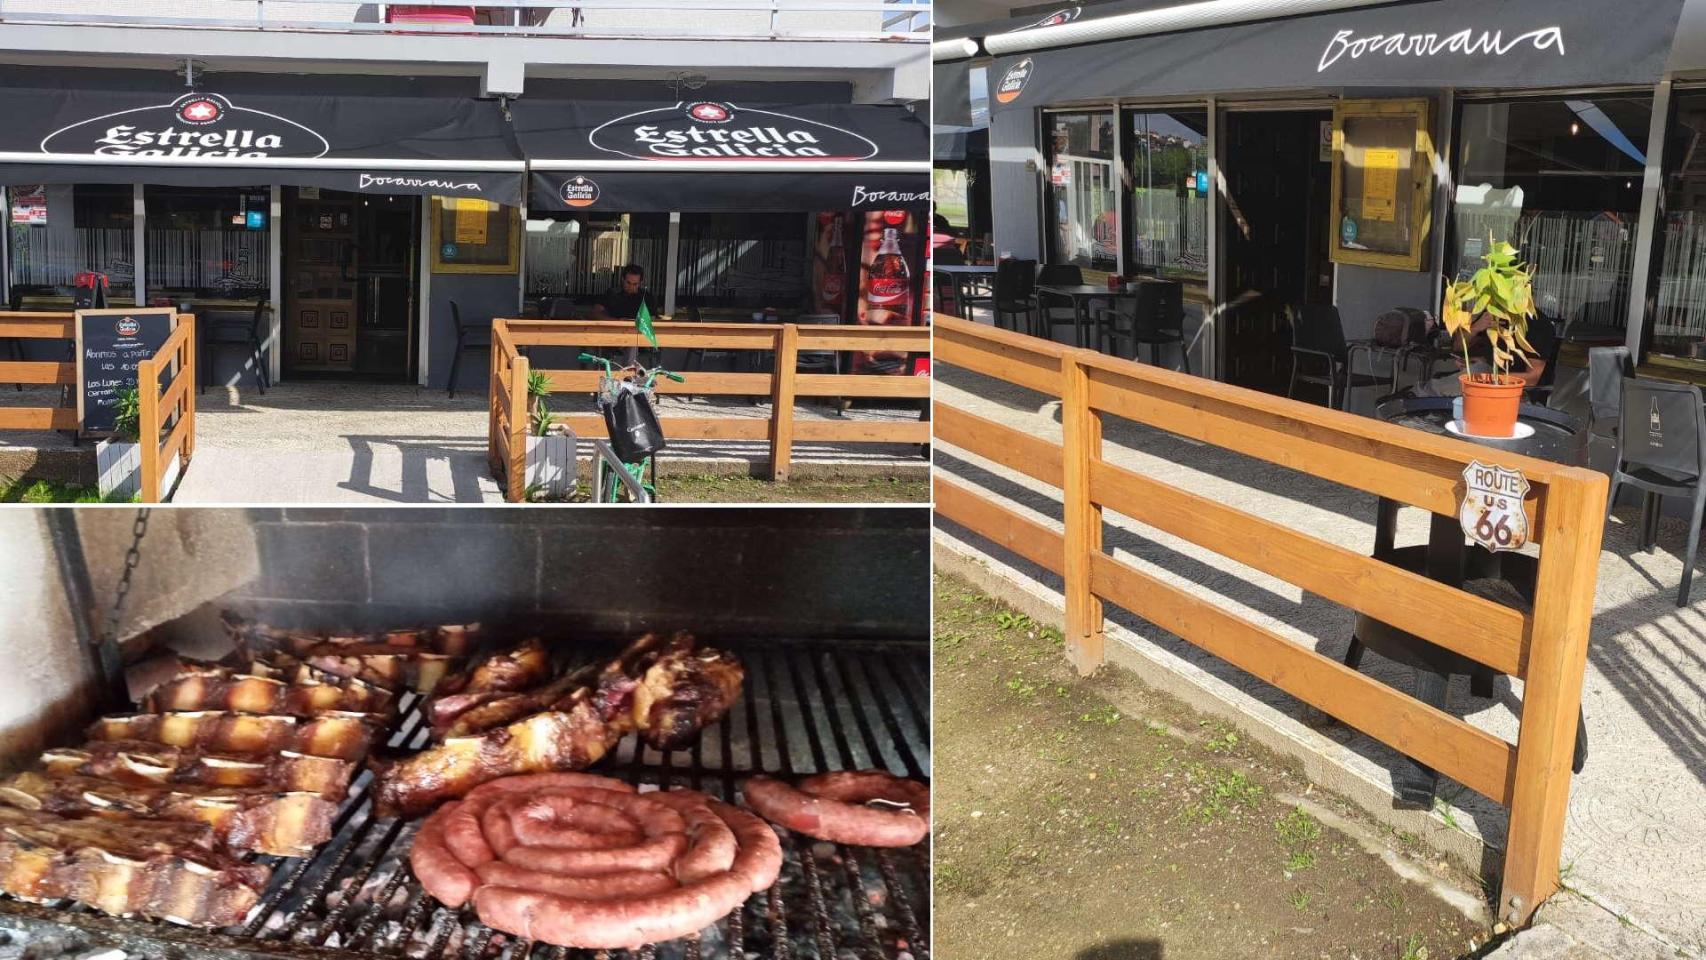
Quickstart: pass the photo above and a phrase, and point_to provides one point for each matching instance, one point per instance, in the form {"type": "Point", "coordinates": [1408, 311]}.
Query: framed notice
{"type": "Point", "coordinates": [474, 236]}
{"type": "Point", "coordinates": [110, 344]}
{"type": "Point", "coordinates": [1383, 162]}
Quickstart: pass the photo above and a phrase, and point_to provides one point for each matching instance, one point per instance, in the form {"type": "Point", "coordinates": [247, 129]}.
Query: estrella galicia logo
{"type": "Point", "coordinates": [579, 191]}
{"type": "Point", "coordinates": [714, 130]}
{"type": "Point", "coordinates": [1013, 81]}
{"type": "Point", "coordinates": [128, 327]}
{"type": "Point", "coordinates": [1057, 18]}
{"type": "Point", "coordinates": [193, 125]}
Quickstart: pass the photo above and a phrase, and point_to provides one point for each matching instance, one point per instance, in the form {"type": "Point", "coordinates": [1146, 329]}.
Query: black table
{"type": "Point", "coordinates": [1450, 558]}
{"type": "Point", "coordinates": [1080, 294]}
{"type": "Point", "coordinates": [966, 276]}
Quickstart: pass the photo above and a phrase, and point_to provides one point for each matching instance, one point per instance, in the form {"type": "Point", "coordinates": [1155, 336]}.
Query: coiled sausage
{"type": "Point", "coordinates": [871, 808]}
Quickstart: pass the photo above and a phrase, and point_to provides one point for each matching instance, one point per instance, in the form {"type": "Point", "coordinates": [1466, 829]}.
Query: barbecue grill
{"type": "Point", "coordinates": [807, 706]}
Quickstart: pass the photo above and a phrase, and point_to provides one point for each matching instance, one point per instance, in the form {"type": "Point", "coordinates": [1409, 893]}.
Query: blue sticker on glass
{"type": "Point", "coordinates": [256, 219]}
{"type": "Point", "coordinates": [447, 252]}
{"type": "Point", "coordinates": [1347, 231]}
{"type": "Point", "coordinates": [1202, 183]}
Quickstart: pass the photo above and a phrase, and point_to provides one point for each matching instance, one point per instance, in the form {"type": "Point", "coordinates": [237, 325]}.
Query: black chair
{"type": "Point", "coordinates": [1662, 452]}
{"type": "Point", "coordinates": [1318, 333]}
{"type": "Point", "coordinates": [1607, 369]}
{"type": "Point", "coordinates": [1016, 292]}
{"type": "Point", "coordinates": [1156, 319]}
{"type": "Point", "coordinates": [468, 337]}
{"type": "Point", "coordinates": [224, 329]}
{"type": "Point", "coordinates": [1057, 275]}
{"type": "Point", "coordinates": [1541, 392]}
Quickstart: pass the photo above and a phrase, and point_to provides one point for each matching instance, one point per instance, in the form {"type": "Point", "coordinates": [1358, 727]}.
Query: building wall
{"type": "Point", "coordinates": [43, 672]}
{"type": "Point", "coordinates": [1014, 191]}
{"type": "Point", "coordinates": [481, 297]}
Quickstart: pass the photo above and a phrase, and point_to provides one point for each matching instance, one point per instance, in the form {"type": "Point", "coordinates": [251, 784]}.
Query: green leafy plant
{"type": "Point", "coordinates": [127, 422]}
{"type": "Point", "coordinates": [538, 384]}
{"type": "Point", "coordinates": [538, 388]}
{"type": "Point", "coordinates": [1502, 292]}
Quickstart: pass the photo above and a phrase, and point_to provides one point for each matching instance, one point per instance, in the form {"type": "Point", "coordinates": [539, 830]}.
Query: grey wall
{"type": "Point", "coordinates": [1014, 191]}
{"type": "Point", "coordinates": [481, 296]}
{"type": "Point", "coordinates": [834, 573]}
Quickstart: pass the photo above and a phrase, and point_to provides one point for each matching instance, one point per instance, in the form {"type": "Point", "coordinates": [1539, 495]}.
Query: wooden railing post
{"type": "Point", "coordinates": [493, 385]}
{"type": "Point", "coordinates": [148, 426]}
{"type": "Point", "coordinates": [782, 401]}
{"type": "Point", "coordinates": [187, 370]}
{"type": "Point", "coordinates": [1081, 442]}
{"type": "Point", "coordinates": [1552, 693]}
{"type": "Point", "coordinates": [515, 479]}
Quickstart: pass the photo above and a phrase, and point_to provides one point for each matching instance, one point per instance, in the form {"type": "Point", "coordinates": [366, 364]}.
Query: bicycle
{"type": "Point", "coordinates": [622, 477]}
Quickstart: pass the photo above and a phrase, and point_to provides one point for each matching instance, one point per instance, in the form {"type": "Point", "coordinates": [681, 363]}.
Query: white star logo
{"type": "Point", "coordinates": [710, 111]}
{"type": "Point", "coordinates": [201, 111]}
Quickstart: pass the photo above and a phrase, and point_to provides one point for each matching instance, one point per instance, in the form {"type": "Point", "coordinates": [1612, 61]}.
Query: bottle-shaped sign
{"type": "Point", "coordinates": [888, 299]}
{"type": "Point", "coordinates": [835, 270]}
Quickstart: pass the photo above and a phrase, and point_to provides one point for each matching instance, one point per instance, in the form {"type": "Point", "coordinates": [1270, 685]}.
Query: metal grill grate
{"type": "Point", "coordinates": [806, 707]}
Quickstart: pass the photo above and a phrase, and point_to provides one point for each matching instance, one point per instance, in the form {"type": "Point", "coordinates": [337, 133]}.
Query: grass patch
{"type": "Point", "coordinates": [46, 491]}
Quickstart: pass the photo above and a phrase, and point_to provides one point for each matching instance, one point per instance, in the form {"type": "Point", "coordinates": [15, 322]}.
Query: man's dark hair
{"type": "Point", "coordinates": [634, 269]}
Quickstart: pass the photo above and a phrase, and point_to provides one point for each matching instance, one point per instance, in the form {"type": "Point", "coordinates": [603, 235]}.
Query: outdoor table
{"type": "Point", "coordinates": [1080, 295]}
{"type": "Point", "coordinates": [1450, 558]}
{"type": "Point", "coordinates": [966, 277]}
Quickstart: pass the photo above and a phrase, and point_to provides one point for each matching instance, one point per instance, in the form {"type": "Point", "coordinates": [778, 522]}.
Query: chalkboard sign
{"type": "Point", "coordinates": [110, 343]}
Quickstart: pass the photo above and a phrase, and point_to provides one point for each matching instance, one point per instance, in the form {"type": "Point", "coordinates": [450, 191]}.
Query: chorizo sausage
{"type": "Point", "coordinates": [839, 807]}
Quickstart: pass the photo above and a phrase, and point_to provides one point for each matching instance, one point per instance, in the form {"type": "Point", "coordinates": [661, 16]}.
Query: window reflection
{"type": "Point", "coordinates": [1167, 171]}
{"type": "Point", "coordinates": [1083, 202]}
{"type": "Point", "coordinates": [207, 244]}
{"type": "Point", "coordinates": [61, 230]}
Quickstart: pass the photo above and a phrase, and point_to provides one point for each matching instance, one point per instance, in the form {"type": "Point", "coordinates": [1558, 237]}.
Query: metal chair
{"type": "Point", "coordinates": [1662, 452]}
{"type": "Point", "coordinates": [1607, 368]}
{"type": "Point", "coordinates": [1317, 332]}
{"type": "Point", "coordinates": [1057, 275]}
{"type": "Point", "coordinates": [1016, 291]}
{"type": "Point", "coordinates": [1156, 320]}
{"type": "Point", "coordinates": [468, 337]}
{"type": "Point", "coordinates": [218, 330]}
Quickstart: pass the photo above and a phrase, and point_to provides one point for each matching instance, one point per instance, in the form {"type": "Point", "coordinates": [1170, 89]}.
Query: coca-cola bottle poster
{"type": "Point", "coordinates": [890, 253]}
{"type": "Point", "coordinates": [829, 264]}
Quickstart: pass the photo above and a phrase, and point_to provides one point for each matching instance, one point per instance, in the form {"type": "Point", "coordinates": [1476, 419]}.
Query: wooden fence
{"type": "Point", "coordinates": [508, 421]}
{"type": "Point", "coordinates": [174, 401]}
{"type": "Point", "coordinates": [1547, 648]}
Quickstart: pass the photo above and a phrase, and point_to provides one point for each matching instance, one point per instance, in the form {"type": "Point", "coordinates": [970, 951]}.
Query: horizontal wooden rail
{"type": "Point", "coordinates": [783, 385]}
{"type": "Point", "coordinates": [1546, 648]}
{"type": "Point", "coordinates": [26, 325]}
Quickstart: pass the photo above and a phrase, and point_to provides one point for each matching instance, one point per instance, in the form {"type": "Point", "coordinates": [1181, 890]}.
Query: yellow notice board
{"type": "Point", "coordinates": [1379, 184]}
{"type": "Point", "coordinates": [471, 220]}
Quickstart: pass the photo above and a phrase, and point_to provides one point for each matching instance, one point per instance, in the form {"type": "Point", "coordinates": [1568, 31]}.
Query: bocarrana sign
{"type": "Point", "coordinates": [194, 125]}
{"type": "Point", "coordinates": [714, 130]}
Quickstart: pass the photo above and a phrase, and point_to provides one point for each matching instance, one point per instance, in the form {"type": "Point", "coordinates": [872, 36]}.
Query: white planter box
{"type": "Point", "coordinates": [551, 467]}
{"type": "Point", "coordinates": [118, 465]}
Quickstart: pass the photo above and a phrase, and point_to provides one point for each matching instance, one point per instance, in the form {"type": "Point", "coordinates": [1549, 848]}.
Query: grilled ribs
{"type": "Point", "coordinates": [284, 824]}
{"type": "Point", "coordinates": [201, 687]}
{"type": "Point", "coordinates": [142, 763]}
{"type": "Point", "coordinates": [169, 871]}
{"type": "Point", "coordinates": [341, 736]}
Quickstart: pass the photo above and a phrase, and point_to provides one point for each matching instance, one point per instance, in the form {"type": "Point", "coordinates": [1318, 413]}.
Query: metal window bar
{"type": "Point", "coordinates": [806, 707]}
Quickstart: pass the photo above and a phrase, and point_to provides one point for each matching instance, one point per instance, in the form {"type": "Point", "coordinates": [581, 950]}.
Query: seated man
{"type": "Point", "coordinates": [623, 303]}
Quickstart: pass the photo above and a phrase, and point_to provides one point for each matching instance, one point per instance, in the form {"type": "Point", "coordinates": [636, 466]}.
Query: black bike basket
{"type": "Point", "coordinates": [633, 426]}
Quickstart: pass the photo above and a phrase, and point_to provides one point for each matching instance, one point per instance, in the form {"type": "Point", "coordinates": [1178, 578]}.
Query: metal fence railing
{"type": "Point", "coordinates": [886, 20]}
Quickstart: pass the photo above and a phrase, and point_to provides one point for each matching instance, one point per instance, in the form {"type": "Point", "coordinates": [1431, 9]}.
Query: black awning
{"type": "Point", "coordinates": [1464, 44]}
{"type": "Point", "coordinates": [713, 155]}
{"type": "Point", "coordinates": [950, 93]}
{"type": "Point", "coordinates": [366, 144]}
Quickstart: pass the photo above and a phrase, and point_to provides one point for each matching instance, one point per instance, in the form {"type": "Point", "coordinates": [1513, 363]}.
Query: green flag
{"type": "Point", "coordinates": [643, 323]}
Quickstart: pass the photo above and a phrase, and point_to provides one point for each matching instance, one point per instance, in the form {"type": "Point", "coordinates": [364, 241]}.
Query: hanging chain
{"type": "Point", "coordinates": [131, 559]}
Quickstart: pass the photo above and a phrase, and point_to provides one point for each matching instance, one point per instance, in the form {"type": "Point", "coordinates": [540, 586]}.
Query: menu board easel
{"type": "Point", "coordinates": [110, 344]}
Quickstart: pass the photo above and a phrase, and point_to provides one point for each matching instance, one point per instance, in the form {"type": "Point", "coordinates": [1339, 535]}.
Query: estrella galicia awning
{"type": "Point", "coordinates": [425, 146]}
{"type": "Point", "coordinates": [716, 155]}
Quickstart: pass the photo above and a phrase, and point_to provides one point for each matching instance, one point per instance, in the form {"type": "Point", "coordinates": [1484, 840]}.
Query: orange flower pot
{"type": "Point", "coordinates": [1490, 405]}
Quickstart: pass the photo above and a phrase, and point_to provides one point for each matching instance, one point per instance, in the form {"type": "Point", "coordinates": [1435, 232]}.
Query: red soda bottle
{"type": "Point", "coordinates": [889, 297]}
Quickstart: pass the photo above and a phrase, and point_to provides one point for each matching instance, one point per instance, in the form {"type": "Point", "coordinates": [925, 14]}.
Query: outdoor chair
{"type": "Point", "coordinates": [1016, 292]}
{"type": "Point", "coordinates": [1607, 368]}
{"type": "Point", "coordinates": [1662, 453]}
{"type": "Point", "coordinates": [468, 337]}
{"type": "Point", "coordinates": [1156, 319]}
{"type": "Point", "coordinates": [226, 329]}
{"type": "Point", "coordinates": [1051, 310]}
{"type": "Point", "coordinates": [1318, 334]}
{"type": "Point", "coordinates": [1541, 392]}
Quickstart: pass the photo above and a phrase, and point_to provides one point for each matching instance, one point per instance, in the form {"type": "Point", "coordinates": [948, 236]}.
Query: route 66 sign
{"type": "Point", "coordinates": [1493, 513]}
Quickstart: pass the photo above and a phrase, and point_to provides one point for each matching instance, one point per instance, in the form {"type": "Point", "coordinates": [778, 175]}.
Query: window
{"type": "Point", "coordinates": [1678, 300]}
{"type": "Point", "coordinates": [61, 230]}
{"type": "Point", "coordinates": [572, 259]}
{"type": "Point", "coordinates": [744, 262]}
{"type": "Point", "coordinates": [205, 244]}
{"type": "Point", "coordinates": [1166, 159]}
{"type": "Point", "coordinates": [1082, 202]}
{"type": "Point", "coordinates": [1561, 181]}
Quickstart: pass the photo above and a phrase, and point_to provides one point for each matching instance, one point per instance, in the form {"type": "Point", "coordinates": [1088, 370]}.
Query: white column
{"type": "Point", "coordinates": [1211, 315]}
{"type": "Point", "coordinates": [275, 268]}
{"type": "Point", "coordinates": [425, 311]}
{"type": "Point", "coordinates": [139, 226]}
{"type": "Point", "coordinates": [1120, 191]}
{"type": "Point", "coordinates": [670, 262]}
{"type": "Point", "coordinates": [1641, 272]}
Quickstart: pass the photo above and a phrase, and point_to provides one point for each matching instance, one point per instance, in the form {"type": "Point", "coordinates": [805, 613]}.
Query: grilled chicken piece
{"type": "Point", "coordinates": [493, 678]}
{"type": "Point", "coordinates": [225, 688]}
{"type": "Point", "coordinates": [571, 737]}
{"type": "Point", "coordinates": [284, 824]}
{"type": "Point", "coordinates": [142, 763]}
{"type": "Point", "coordinates": [684, 692]}
{"type": "Point", "coordinates": [168, 871]}
{"type": "Point", "coordinates": [342, 736]}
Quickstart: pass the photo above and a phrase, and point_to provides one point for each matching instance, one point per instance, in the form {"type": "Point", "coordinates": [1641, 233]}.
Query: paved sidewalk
{"type": "Point", "coordinates": [1636, 836]}
{"type": "Point", "coordinates": [328, 442]}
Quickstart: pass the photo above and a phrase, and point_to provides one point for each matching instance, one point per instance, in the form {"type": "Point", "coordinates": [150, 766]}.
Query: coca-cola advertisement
{"type": "Point", "coordinates": [830, 278]}
{"type": "Point", "coordinates": [890, 261]}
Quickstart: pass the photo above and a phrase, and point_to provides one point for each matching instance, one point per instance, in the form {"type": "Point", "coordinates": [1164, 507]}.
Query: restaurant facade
{"type": "Point", "coordinates": [350, 213]}
{"type": "Point", "coordinates": [1354, 153]}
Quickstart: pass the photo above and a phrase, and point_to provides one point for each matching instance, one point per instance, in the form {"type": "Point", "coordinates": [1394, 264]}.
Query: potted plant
{"type": "Point", "coordinates": [1497, 302]}
{"type": "Point", "coordinates": [550, 444]}
{"type": "Point", "coordinates": [118, 459]}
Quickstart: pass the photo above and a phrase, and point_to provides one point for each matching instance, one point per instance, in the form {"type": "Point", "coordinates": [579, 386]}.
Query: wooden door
{"type": "Point", "coordinates": [321, 271]}
{"type": "Point", "coordinates": [1274, 212]}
